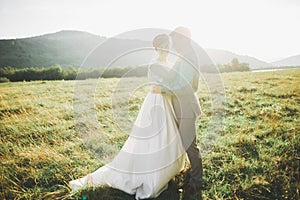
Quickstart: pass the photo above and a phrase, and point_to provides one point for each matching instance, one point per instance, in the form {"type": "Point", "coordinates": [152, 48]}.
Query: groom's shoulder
{"type": "Point", "coordinates": [158, 67]}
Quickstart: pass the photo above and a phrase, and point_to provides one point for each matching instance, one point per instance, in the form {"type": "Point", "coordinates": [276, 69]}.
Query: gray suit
{"type": "Point", "coordinates": [187, 110]}
{"type": "Point", "coordinates": [186, 105]}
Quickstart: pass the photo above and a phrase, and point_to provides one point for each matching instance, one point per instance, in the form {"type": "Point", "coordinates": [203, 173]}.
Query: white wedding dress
{"type": "Point", "coordinates": [152, 155]}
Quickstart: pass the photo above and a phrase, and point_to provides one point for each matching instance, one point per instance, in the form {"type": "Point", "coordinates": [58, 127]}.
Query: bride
{"type": "Point", "coordinates": [153, 153]}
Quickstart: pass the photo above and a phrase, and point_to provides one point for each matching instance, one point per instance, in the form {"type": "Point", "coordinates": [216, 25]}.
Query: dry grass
{"type": "Point", "coordinates": [257, 155]}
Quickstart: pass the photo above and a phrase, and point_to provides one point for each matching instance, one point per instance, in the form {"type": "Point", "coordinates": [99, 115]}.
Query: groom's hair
{"type": "Point", "coordinates": [182, 31]}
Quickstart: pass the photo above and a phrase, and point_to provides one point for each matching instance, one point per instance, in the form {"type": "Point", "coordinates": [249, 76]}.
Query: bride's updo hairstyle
{"type": "Point", "coordinates": [161, 42]}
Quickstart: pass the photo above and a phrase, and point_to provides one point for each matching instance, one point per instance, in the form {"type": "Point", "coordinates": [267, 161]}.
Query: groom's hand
{"type": "Point", "coordinates": [156, 89]}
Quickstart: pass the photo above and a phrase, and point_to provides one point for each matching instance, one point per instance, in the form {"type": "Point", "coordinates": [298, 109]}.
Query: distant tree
{"type": "Point", "coordinates": [4, 80]}
{"type": "Point", "coordinates": [56, 72]}
{"type": "Point", "coordinates": [234, 66]}
{"type": "Point", "coordinates": [235, 63]}
{"type": "Point", "coordinates": [7, 72]}
{"type": "Point", "coordinates": [53, 73]}
{"type": "Point", "coordinates": [69, 74]}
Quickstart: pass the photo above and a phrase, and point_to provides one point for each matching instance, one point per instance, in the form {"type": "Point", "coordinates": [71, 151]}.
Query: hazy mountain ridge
{"type": "Point", "coordinates": [224, 57]}
{"type": "Point", "coordinates": [64, 47]}
{"type": "Point", "coordinates": [69, 48]}
{"type": "Point", "coordinates": [289, 61]}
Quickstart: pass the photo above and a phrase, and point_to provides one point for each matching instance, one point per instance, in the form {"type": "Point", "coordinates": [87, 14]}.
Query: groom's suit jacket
{"type": "Point", "coordinates": [180, 82]}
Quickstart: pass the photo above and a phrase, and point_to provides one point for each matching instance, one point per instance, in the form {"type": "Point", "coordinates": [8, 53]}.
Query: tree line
{"type": "Point", "coordinates": [234, 66]}
{"type": "Point", "coordinates": [56, 72]}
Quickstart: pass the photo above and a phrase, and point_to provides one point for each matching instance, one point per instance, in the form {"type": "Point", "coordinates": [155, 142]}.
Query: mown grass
{"type": "Point", "coordinates": [257, 154]}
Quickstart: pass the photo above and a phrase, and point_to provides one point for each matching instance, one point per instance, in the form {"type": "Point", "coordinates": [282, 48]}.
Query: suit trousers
{"type": "Point", "coordinates": [187, 129]}
{"type": "Point", "coordinates": [186, 110]}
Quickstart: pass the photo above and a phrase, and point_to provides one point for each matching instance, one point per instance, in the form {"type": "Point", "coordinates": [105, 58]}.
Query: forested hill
{"type": "Point", "coordinates": [65, 48]}
{"type": "Point", "coordinates": [70, 48]}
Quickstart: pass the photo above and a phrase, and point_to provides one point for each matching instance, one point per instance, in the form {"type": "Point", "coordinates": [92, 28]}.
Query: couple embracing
{"type": "Point", "coordinates": [164, 133]}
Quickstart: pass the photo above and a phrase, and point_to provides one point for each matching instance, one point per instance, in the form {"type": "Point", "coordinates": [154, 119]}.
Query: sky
{"type": "Point", "coordinates": [266, 29]}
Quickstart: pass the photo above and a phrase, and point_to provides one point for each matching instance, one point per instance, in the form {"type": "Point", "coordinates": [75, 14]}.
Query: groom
{"type": "Point", "coordinates": [185, 102]}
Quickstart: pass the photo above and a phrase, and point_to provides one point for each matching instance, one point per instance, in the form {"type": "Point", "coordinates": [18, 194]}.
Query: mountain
{"type": "Point", "coordinates": [224, 57]}
{"type": "Point", "coordinates": [70, 48]}
{"type": "Point", "coordinates": [64, 47]}
{"type": "Point", "coordinates": [290, 61]}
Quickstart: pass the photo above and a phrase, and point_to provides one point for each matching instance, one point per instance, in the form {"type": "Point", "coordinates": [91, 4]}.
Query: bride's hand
{"type": "Point", "coordinates": [156, 89]}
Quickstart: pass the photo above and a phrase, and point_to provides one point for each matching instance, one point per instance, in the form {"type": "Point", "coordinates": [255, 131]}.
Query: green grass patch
{"type": "Point", "coordinates": [257, 154]}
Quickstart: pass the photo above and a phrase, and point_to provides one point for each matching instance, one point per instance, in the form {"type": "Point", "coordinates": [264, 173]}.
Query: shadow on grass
{"type": "Point", "coordinates": [172, 193]}
{"type": "Point", "coordinates": [108, 193]}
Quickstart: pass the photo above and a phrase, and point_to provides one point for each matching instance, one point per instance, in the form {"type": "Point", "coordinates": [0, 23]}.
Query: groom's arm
{"type": "Point", "coordinates": [165, 74]}
{"type": "Point", "coordinates": [182, 82]}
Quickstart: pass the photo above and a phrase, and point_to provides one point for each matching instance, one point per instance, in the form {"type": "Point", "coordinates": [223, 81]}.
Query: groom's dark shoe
{"type": "Point", "coordinates": [192, 191]}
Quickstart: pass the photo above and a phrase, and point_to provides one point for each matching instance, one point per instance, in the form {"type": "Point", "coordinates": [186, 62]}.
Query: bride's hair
{"type": "Point", "coordinates": [161, 41]}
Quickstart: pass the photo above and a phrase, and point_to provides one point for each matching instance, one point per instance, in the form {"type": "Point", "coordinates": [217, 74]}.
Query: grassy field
{"type": "Point", "coordinates": [257, 155]}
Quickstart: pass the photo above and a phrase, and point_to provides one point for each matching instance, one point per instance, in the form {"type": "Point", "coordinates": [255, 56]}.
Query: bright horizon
{"type": "Point", "coordinates": [267, 30]}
